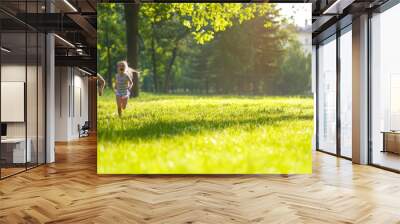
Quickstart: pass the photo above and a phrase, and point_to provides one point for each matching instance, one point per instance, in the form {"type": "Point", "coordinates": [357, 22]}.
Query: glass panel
{"type": "Point", "coordinates": [23, 89]}
{"type": "Point", "coordinates": [31, 98]}
{"type": "Point", "coordinates": [327, 96]}
{"type": "Point", "coordinates": [13, 79]}
{"type": "Point", "coordinates": [346, 94]}
{"type": "Point", "coordinates": [386, 89]}
{"type": "Point", "coordinates": [41, 99]}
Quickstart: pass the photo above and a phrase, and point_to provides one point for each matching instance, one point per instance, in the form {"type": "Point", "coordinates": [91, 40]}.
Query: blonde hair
{"type": "Point", "coordinates": [128, 70]}
{"type": "Point", "coordinates": [125, 63]}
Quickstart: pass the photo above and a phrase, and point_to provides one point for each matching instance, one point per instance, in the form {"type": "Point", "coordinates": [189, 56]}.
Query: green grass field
{"type": "Point", "coordinates": [174, 134]}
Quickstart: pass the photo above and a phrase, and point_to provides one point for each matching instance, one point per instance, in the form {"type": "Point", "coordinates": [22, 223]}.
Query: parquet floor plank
{"type": "Point", "coordinates": [70, 191]}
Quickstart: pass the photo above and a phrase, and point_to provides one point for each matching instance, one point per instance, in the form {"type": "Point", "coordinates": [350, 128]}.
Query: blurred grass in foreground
{"type": "Point", "coordinates": [177, 134]}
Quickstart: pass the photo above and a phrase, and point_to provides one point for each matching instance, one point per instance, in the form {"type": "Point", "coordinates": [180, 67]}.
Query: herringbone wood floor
{"type": "Point", "coordinates": [70, 191]}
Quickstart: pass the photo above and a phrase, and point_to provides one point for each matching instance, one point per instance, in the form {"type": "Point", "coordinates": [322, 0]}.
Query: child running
{"type": "Point", "coordinates": [123, 83]}
{"type": "Point", "coordinates": [101, 83]}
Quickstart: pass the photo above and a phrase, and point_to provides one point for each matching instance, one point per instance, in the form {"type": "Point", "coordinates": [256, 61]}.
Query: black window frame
{"type": "Point", "coordinates": [30, 29]}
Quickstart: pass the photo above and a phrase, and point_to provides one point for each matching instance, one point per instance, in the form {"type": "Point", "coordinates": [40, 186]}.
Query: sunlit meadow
{"type": "Point", "coordinates": [174, 134]}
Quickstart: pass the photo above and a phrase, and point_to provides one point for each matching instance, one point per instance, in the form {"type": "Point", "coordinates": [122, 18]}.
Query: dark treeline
{"type": "Point", "coordinates": [243, 53]}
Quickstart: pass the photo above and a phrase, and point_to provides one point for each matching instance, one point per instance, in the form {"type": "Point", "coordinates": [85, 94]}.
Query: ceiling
{"type": "Point", "coordinates": [330, 15]}
{"type": "Point", "coordinates": [74, 22]}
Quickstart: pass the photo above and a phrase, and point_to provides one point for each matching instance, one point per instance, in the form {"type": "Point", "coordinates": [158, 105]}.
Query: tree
{"type": "Point", "coordinates": [204, 48]}
{"type": "Point", "coordinates": [132, 35]}
{"type": "Point", "coordinates": [202, 21]}
{"type": "Point", "coordinates": [295, 71]}
{"type": "Point", "coordinates": [108, 46]}
{"type": "Point", "coordinates": [110, 43]}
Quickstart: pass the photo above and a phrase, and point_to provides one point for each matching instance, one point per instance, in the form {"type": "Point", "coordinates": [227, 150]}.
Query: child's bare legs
{"type": "Point", "coordinates": [100, 90]}
{"type": "Point", "coordinates": [124, 102]}
{"type": "Point", "coordinates": [119, 105]}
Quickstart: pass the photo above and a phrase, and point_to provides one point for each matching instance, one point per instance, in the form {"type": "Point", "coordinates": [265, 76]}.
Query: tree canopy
{"type": "Point", "coordinates": [242, 48]}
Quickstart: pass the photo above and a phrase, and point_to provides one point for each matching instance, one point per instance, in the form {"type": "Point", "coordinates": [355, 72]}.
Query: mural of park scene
{"type": "Point", "coordinates": [204, 88]}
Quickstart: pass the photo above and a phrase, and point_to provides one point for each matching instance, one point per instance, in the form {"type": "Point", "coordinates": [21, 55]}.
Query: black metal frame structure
{"type": "Point", "coordinates": [339, 32]}
{"type": "Point", "coordinates": [381, 9]}
{"type": "Point", "coordinates": [340, 24]}
{"type": "Point", "coordinates": [30, 30]}
{"type": "Point", "coordinates": [337, 29]}
{"type": "Point", "coordinates": [74, 25]}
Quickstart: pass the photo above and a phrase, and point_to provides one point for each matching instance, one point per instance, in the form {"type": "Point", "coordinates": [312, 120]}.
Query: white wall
{"type": "Point", "coordinates": [33, 127]}
{"type": "Point", "coordinates": [81, 89]}
{"type": "Point", "coordinates": [62, 81]}
{"type": "Point", "coordinates": [71, 102]}
{"type": "Point", "coordinates": [12, 73]}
